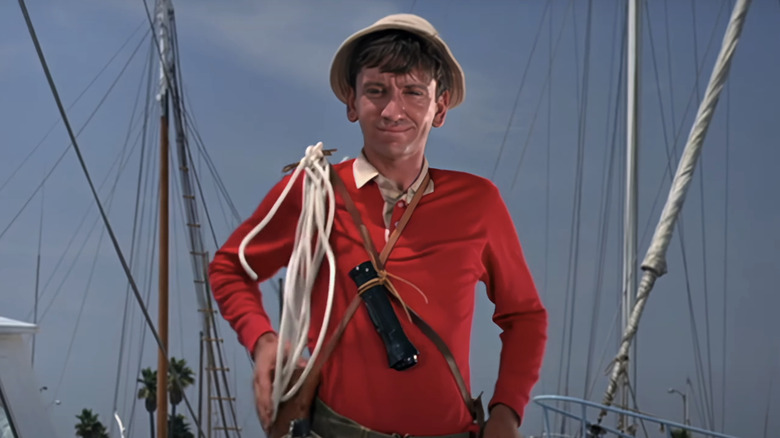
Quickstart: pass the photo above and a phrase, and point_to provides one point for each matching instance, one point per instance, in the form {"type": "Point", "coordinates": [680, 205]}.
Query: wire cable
{"type": "Point", "coordinates": [199, 258]}
{"type": "Point", "coordinates": [121, 161]}
{"type": "Point", "coordinates": [72, 104]}
{"type": "Point", "coordinates": [577, 209]}
{"type": "Point", "coordinates": [679, 130]}
{"type": "Point", "coordinates": [520, 90]}
{"type": "Point", "coordinates": [669, 154]}
{"type": "Point", "coordinates": [724, 317]}
{"type": "Point", "coordinates": [104, 216]}
{"type": "Point", "coordinates": [709, 403]}
{"type": "Point", "coordinates": [606, 190]}
{"type": "Point", "coordinates": [532, 126]}
{"type": "Point", "coordinates": [65, 150]}
{"type": "Point", "coordinates": [568, 299]}
{"type": "Point", "coordinates": [126, 306]}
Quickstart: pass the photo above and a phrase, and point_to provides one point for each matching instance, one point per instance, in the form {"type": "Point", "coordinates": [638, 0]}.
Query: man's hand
{"type": "Point", "coordinates": [265, 363]}
{"type": "Point", "coordinates": [502, 423]}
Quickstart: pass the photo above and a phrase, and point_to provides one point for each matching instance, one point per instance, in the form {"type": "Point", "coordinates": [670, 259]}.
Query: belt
{"type": "Point", "coordinates": [327, 423]}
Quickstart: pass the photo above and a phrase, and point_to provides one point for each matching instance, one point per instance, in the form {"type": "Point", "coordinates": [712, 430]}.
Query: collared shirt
{"type": "Point", "coordinates": [445, 251]}
{"type": "Point", "coordinates": [363, 171]}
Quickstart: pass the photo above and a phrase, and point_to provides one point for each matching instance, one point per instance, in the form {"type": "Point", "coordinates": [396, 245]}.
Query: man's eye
{"type": "Point", "coordinates": [373, 91]}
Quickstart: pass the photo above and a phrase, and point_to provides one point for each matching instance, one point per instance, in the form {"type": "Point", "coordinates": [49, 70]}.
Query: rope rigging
{"type": "Point", "coordinates": [710, 404]}
{"type": "Point", "coordinates": [121, 162]}
{"type": "Point", "coordinates": [92, 188]}
{"type": "Point", "coordinates": [574, 244]}
{"type": "Point", "coordinates": [606, 199]}
{"type": "Point", "coordinates": [520, 89]}
{"type": "Point", "coordinates": [679, 129]}
{"type": "Point", "coordinates": [725, 269]}
{"type": "Point", "coordinates": [38, 273]}
{"type": "Point", "coordinates": [706, 393]}
{"type": "Point", "coordinates": [79, 252]}
{"type": "Point", "coordinates": [567, 334]}
{"type": "Point", "coordinates": [126, 306]}
{"type": "Point", "coordinates": [65, 150]}
{"type": "Point", "coordinates": [210, 167]}
{"type": "Point", "coordinates": [72, 104]}
{"type": "Point", "coordinates": [654, 264]}
{"type": "Point", "coordinates": [199, 255]}
{"type": "Point", "coordinates": [170, 80]}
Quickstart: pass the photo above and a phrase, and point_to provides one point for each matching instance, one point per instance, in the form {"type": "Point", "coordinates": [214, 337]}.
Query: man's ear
{"type": "Point", "coordinates": [442, 104]}
{"type": "Point", "coordinates": [352, 114]}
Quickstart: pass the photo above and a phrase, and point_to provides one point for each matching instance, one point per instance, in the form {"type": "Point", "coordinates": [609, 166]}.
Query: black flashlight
{"type": "Point", "coordinates": [401, 354]}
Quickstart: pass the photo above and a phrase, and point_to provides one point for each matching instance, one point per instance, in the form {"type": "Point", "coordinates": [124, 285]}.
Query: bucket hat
{"type": "Point", "coordinates": [339, 69]}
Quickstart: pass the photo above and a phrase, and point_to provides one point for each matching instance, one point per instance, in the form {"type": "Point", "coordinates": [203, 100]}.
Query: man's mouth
{"type": "Point", "coordinates": [394, 129]}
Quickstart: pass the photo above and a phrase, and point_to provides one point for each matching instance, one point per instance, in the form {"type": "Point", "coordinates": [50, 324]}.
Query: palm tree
{"type": "Point", "coordinates": [89, 426]}
{"type": "Point", "coordinates": [680, 433]}
{"type": "Point", "coordinates": [179, 427]}
{"type": "Point", "coordinates": [148, 392]}
{"type": "Point", "coordinates": [180, 376]}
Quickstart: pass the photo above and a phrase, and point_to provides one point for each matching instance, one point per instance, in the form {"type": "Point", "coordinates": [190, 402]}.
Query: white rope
{"type": "Point", "coordinates": [654, 264]}
{"type": "Point", "coordinates": [311, 245]}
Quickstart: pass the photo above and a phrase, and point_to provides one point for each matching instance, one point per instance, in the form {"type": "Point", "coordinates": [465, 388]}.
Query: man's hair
{"type": "Point", "coordinates": [399, 52]}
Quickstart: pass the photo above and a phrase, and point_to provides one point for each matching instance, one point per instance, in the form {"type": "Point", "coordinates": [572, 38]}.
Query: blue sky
{"type": "Point", "coordinates": [256, 81]}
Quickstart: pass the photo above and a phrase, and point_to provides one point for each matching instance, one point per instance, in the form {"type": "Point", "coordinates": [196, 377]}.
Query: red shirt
{"type": "Point", "coordinates": [459, 234]}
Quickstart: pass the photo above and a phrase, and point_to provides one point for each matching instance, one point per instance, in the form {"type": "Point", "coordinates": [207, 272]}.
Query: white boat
{"type": "Point", "coordinates": [23, 413]}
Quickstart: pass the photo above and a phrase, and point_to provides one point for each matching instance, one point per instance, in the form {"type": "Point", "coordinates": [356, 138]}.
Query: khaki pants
{"type": "Point", "coordinates": [329, 424]}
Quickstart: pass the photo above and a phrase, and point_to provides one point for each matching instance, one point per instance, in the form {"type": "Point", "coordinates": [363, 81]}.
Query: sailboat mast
{"type": "Point", "coordinates": [630, 212]}
{"type": "Point", "coordinates": [654, 263]}
{"type": "Point", "coordinates": [162, 360]}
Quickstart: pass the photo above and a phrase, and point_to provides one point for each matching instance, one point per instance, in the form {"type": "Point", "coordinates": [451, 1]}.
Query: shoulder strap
{"type": "Point", "coordinates": [310, 385]}
{"type": "Point", "coordinates": [473, 405]}
{"type": "Point", "coordinates": [378, 260]}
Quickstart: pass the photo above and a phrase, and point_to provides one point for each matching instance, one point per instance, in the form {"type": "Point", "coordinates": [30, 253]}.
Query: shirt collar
{"type": "Point", "coordinates": [363, 171]}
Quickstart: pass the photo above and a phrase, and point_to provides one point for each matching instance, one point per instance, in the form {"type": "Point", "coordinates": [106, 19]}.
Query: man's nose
{"type": "Point", "coordinates": [394, 108]}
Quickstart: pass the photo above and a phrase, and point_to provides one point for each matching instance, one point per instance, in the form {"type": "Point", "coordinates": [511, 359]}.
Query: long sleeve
{"type": "Point", "coordinates": [518, 310]}
{"type": "Point", "coordinates": [237, 295]}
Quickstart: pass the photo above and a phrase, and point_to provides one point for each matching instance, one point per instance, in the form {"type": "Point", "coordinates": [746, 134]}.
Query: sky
{"type": "Point", "coordinates": [539, 120]}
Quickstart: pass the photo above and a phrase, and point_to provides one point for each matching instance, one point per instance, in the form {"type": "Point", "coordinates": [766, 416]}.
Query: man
{"type": "Point", "coordinates": [398, 79]}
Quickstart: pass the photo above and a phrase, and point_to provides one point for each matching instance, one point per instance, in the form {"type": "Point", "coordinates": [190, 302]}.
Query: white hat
{"type": "Point", "coordinates": [339, 69]}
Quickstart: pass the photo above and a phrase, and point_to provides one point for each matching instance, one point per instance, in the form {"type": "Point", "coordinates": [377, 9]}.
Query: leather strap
{"type": "Point", "coordinates": [299, 406]}
{"type": "Point", "coordinates": [329, 423]}
{"type": "Point", "coordinates": [474, 406]}
{"type": "Point", "coordinates": [377, 260]}
{"type": "Point", "coordinates": [368, 243]}
{"type": "Point", "coordinates": [404, 220]}
{"type": "Point", "coordinates": [309, 387]}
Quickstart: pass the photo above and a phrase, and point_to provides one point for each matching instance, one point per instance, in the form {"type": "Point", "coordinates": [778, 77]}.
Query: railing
{"type": "Point", "coordinates": [581, 410]}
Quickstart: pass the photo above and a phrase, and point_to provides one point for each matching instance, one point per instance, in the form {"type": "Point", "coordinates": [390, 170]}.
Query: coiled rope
{"type": "Point", "coordinates": [311, 245]}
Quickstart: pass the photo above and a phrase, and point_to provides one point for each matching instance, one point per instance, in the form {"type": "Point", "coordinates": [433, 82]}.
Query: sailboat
{"type": "Point", "coordinates": [590, 418]}
{"type": "Point", "coordinates": [215, 392]}
{"type": "Point", "coordinates": [241, 66]}
{"type": "Point", "coordinates": [20, 392]}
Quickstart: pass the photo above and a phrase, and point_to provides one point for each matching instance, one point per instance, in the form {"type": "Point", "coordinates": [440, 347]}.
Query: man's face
{"type": "Point", "coordinates": [396, 112]}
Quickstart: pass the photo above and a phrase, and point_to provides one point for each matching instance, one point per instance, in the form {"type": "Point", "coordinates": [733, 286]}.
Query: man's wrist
{"type": "Point", "coordinates": [505, 412]}
{"type": "Point", "coordinates": [266, 339]}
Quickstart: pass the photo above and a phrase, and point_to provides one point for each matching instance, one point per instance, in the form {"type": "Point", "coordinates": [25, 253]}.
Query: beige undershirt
{"type": "Point", "coordinates": [364, 172]}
